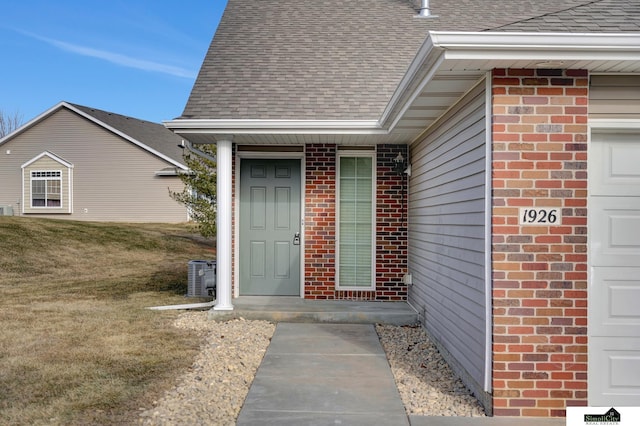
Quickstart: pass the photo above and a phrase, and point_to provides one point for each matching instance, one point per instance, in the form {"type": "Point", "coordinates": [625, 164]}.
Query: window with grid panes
{"type": "Point", "coordinates": [46, 188]}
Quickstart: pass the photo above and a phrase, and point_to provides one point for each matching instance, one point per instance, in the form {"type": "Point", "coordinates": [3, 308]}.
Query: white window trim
{"type": "Point", "coordinates": [59, 178]}
{"type": "Point", "coordinates": [373, 156]}
{"type": "Point", "coordinates": [66, 207]}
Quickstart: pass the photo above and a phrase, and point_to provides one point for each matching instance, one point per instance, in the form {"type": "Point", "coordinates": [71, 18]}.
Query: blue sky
{"type": "Point", "coordinates": [134, 57]}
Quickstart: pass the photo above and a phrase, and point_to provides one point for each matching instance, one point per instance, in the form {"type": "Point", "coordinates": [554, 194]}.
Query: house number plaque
{"type": "Point", "coordinates": [540, 216]}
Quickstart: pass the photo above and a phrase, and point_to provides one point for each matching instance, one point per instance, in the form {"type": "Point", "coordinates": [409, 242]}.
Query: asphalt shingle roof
{"type": "Point", "coordinates": [596, 16]}
{"type": "Point", "coordinates": [342, 59]}
{"type": "Point", "coordinates": [153, 135]}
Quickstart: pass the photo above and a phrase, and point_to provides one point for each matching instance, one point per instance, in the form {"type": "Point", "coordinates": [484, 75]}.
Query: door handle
{"type": "Point", "coordinates": [296, 239]}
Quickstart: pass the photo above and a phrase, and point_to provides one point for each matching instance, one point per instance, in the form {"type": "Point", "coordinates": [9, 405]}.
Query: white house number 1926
{"type": "Point", "coordinates": [540, 216]}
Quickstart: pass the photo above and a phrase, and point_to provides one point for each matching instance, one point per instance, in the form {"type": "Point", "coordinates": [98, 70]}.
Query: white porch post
{"type": "Point", "coordinates": [224, 229]}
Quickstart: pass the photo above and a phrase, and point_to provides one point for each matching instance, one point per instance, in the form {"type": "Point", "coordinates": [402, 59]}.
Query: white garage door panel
{"type": "Point", "coordinates": [616, 298]}
{"type": "Point", "coordinates": [615, 231]}
{"type": "Point", "coordinates": [615, 170]}
{"type": "Point", "coordinates": [614, 260]}
{"type": "Point", "coordinates": [625, 369]}
{"type": "Point", "coordinates": [618, 378]}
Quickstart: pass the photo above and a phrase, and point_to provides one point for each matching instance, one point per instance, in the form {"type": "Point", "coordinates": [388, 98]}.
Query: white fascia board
{"type": "Point", "coordinates": [252, 126]}
{"type": "Point", "coordinates": [461, 44]}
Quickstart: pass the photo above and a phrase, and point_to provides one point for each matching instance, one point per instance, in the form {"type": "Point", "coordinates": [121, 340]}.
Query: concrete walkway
{"type": "Point", "coordinates": [337, 374]}
{"type": "Point", "coordinates": [324, 374]}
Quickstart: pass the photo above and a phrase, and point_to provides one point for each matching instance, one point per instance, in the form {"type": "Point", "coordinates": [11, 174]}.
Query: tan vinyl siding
{"type": "Point", "coordinates": [113, 179]}
{"type": "Point", "coordinates": [447, 234]}
{"type": "Point", "coordinates": [614, 96]}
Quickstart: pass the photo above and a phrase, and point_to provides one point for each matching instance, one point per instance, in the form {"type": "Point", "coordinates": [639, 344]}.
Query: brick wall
{"type": "Point", "coordinates": [391, 225]}
{"type": "Point", "coordinates": [320, 218]}
{"type": "Point", "coordinates": [320, 226]}
{"type": "Point", "coordinates": [539, 272]}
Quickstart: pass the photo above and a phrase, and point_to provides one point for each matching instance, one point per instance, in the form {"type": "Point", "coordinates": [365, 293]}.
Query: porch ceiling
{"type": "Point", "coordinates": [434, 99]}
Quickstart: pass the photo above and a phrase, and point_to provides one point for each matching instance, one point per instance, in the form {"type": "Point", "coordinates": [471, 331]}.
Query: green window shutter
{"type": "Point", "coordinates": [356, 218]}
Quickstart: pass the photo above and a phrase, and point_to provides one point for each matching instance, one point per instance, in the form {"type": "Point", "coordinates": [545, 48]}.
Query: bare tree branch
{"type": "Point", "coordinates": [9, 122]}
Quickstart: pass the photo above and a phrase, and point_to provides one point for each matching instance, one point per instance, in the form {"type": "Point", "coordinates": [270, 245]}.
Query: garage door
{"type": "Point", "coordinates": [614, 257]}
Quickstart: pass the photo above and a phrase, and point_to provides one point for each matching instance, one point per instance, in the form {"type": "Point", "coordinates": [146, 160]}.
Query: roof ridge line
{"type": "Point", "coordinates": [587, 3]}
{"type": "Point", "coordinates": [128, 117]}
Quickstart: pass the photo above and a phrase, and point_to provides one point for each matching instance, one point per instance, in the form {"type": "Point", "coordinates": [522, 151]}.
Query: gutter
{"type": "Point", "coordinates": [189, 146]}
{"type": "Point", "coordinates": [253, 126]}
{"type": "Point", "coordinates": [525, 43]}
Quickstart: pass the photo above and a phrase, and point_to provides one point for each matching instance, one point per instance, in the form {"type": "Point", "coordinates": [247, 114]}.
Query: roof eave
{"type": "Point", "coordinates": [456, 54]}
{"type": "Point", "coordinates": [93, 119]}
{"type": "Point", "coordinates": [255, 126]}
{"type": "Point", "coordinates": [465, 54]}
{"type": "Point", "coordinates": [253, 131]}
{"type": "Point", "coordinates": [126, 137]}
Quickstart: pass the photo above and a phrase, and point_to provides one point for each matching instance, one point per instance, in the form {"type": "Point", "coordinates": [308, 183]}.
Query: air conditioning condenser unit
{"type": "Point", "coordinates": [201, 279]}
{"type": "Point", "coordinates": [6, 211]}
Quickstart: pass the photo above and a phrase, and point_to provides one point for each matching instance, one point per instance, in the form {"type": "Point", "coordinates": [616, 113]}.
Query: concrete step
{"type": "Point", "coordinates": [296, 309]}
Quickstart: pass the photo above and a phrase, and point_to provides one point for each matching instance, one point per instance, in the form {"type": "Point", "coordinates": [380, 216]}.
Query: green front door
{"type": "Point", "coordinates": [270, 227]}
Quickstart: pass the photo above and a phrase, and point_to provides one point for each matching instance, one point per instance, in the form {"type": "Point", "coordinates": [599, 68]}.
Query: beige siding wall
{"type": "Point", "coordinates": [614, 96]}
{"type": "Point", "coordinates": [447, 235]}
{"type": "Point", "coordinates": [113, 179]}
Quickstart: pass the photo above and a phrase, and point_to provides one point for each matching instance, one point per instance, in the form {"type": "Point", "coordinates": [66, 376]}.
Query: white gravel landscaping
{"type": "Point", "coordinates": [426, 383]}
{"type": "Point", "coordinates": [213, 390]}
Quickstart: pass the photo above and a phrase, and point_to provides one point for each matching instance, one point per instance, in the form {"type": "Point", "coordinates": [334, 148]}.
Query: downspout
{"type": "Point", "coordinates": [488, 212]}
{"type": "Point", "coordinates": [189, 146]}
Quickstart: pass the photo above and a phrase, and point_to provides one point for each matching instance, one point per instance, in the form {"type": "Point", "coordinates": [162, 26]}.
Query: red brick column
{"type": "Point", "coordinates": [391, 225]}
{"type": "Point", "coordinates": [539, 272]}
{"type": "Point", "coordinates": [320, 219]}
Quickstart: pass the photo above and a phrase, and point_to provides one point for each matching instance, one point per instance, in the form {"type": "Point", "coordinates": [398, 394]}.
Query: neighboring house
{"type": "Point", "coordinates": [514, 227]}
{"type": "Point", "coordinates": [75, 162]}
